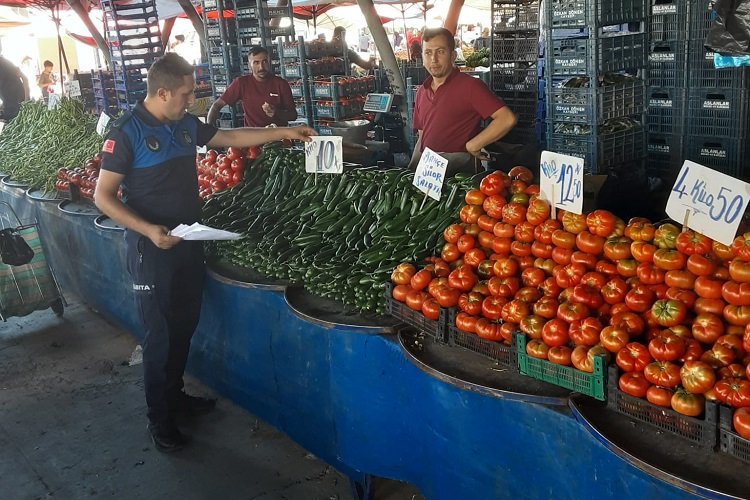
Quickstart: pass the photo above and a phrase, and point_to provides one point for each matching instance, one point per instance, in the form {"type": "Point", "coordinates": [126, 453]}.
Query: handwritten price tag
{"type": "Point", "coordinates": [713, 202]}
{"type": "Point", "coordinates": [561, 181]}
{"type": "Point", "coordinates": [101, 124]}
{"type": "Point", "coordinates": [72, 88]}
{"type": "Point", "coordinates": [52, 101]}
{"type": "Point", "coordinates": [430, 173]}
{"type": "Point", "coordinates": [323, 155]}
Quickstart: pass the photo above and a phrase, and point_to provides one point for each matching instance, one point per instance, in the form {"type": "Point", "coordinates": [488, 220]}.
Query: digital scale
{"type": "Point", "coordinates": [378, 103]}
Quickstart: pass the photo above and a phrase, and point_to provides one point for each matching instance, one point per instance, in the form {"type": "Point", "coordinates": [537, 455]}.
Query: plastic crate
{"type": "Point", "coordinates": [668, 20]}
{"type": "Point", "coordinates": [515, 47]}
{"type": "Point", "coordinates": [246, 12]}
{"type": "Point", "coordinates": [514, 16]}
{"type": "Point", "coordinates": [718, 153]}
{"type": "Point", "coordinates": [665, 111]}
{"type": "Point", "coordinates": [667, 64]}
{"type": "Point", "coordinates": [523, 105]}
{"type": "Point", "coordinates": [497, 351]}
{"type": "Point", "coordinates": [590, 384]}
{"type": "Point", "coordinates": [599, 152]}
{"type": "Point", "coordinates": [666, 147]}
{"type": "Point", "coordinates": [438, 329]}
{"type": "Point", "coordinates": [702, 72]}
{"type": "Point", "coordinates": [297, 88]}
{"type": "Point", "coordinates": [514, 77]}
{"type": "Point", "coordinates": [730, 442]}
{"type": "Point", "coordinates": [579, 13]}
{"type": "Point", "coordinates": [717, 113]}
{"type": "Point", "coordinates": [701, 14]}
{"type": "Point", "coordinates": [290, 50]}
{"type": "Point", "coordinates": [577, 105]}
{"type": "Point", "coordinates": [701, 431]}
{"type": "Point", "coordinates": [293, 70]}
{"type": "Point", "coordinates": [525, 133]}
{"type": "Point", "coordinates": [323, 89]}
{"type": "Point", "coordinates": [587, 56]}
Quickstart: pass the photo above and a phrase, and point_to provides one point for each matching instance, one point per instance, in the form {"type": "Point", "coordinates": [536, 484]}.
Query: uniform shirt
{"type": "Point", "coordinates": [158, 162]}
{"type": "Point", "coordinates": [253, 93]}
{"type": "Point", "coordinates": [11, 86]}
{"type": "Point", "coordinates": [451, 116]}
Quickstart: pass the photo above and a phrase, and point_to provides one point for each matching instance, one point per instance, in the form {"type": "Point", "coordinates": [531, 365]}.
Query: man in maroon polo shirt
{"type": "Point", "coordinates": [450, 107]}
{"type": "Point", "coordinates": [266, 98]}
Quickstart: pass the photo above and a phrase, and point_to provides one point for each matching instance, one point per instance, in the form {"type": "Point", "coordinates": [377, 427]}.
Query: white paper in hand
{"type": "Point", "coordinates": [198, 231]}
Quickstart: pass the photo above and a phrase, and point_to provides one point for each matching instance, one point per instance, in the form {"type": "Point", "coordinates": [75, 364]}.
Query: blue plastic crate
{"type": "Point", "coordinates": [587, 56]}
{"type": "Point", "coordinates": [717, 113]}
{"type": "Point", "coordinates": [666, 110]}
{"type": "Point", "coordinates": [577, 105]}
{"type": "Point", "coordinates": [580, 13]}
{"type": "Point", "coordinates": [719, 153]}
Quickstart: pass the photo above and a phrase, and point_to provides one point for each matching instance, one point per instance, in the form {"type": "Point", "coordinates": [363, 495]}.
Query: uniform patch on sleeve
{"type": "Point", "coordinates": [109, 146]}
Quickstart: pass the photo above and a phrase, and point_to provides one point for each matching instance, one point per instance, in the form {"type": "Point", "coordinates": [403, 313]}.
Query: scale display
{"type": "Point", "coordinates": [378, 103]}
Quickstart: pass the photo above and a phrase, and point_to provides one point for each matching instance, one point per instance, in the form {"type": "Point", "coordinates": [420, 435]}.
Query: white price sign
{"type": "Point", "coordinates": [72, 88]}
{"type": "Point", "coordinates": [2, 126]}
{"type": "Point", "coordinates": [323, 155]}
{"type": "Point", "coordinates": [711, 202]}
{"type": "Point", "coordinates": [430, 173]}
{"type": "Point", "coordinates": [53, 100]}
{"type": "Point", "coordinates": [561, 181]}
{"type": "Point", "coordinates": [101, 125]}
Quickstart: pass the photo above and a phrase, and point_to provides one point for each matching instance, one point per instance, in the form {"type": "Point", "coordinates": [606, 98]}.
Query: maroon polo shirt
{"type": "Point", "coordinates": [253, 93]}
{"type": "Point", "coordinates": [451, 116]}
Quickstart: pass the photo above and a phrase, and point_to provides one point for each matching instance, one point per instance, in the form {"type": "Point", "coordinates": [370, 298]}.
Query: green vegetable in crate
{"type": "Point", "coordinates": [479, 57]}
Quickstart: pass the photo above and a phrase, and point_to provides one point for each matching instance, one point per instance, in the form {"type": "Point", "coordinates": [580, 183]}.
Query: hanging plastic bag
{"type": "Point", "coordinates": [14, 251]}
{"type": "Point", "coordinates": [730, 30]}
{"type": "Point", "coordinates": [722, 61]}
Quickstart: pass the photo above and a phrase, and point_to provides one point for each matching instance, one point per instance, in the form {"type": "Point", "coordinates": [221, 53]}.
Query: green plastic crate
{"type": "Point", "coordinates": [590, 384]}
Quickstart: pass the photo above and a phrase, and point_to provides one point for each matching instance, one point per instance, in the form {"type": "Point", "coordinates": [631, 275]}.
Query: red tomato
{"type": "Point", "coordinates": [700, 265]}
{"type": "Point", "coordinates": [663, 374]}
{"type": "Point", "coordinates": [660, 396]}
{"type": "Point", "coordinates": [537, 212]}
{"type": "Point", "coordinates": [737, 315]}
{"type": "Point", "coordinates": [614, 338]}
{"type": "Point", "coordinates": [570, 311]}
{"type": "Point", "coordinates": [669, 312]}
{"type": "Point", "coordinates": [400, 292]}
{"type": "Point", "coordinates": [431, 309]}
{"type": "Point", "coordinates": [601, 222]}
{"type": "Point", "coordinates": [665, 235]}
{"type": "Point", "coordinates": [450, 252]}
{"type": "Point", "coordinates": [741, 247]}
{"type": "Point", "coordinates": [515, 310]}
{"type": "Point", "coordinates": [667, 346]}
{"type": "Point", "coordinates": [462, 279]}
{"type": "Point", "coordinates": [475, 197]}
{"type": "Point", "coordinates": [590, 243]}
{"type": "Point", "coordinates": [680, 279]}
{"type": "Point", "coordinates": [634, 357]}
{"type": "Point", "coordinates": [634, 384]}
{"type": "Point", "coordinates": [492, 307]}
{"type": "Point", "coordinates": [470, 213]}
{"type": "Point", "coordinates": [587, 295]}
{"type": "Point", "coordinates": [712, 306]}
{"type": "Point", "coordinates": [739, 270]}
{"type": "Point", "coordinates": [573, 223]}
{"type": "Point", "coordinates": [570, 275]}
{"type": "Point", "coordinates": [234, 153]}
{"type": "Point", "coordinates": [689, 242]}
{"type": "Point", "coordinates": [421, 279]}
{"type": "Point", "coordinates": [532, 276]}
{"type": "Point", "coordinates": [474, 257]}
{"type": "Point", "coordinates": [546, 307]}
{"type": "Point", "coordinates": [640, 230]}
{"type": "Point", "coordinates": [640, 298]}
{"type": "Point", "coordinates": [505, 267]}
{"type": "Point", "coordinates": [734, 392]}
{"type": "Point", "coordinates": [452, 233]}
{"type": "Point", "coordinates": [697, 377]}
{"type": "Point", "coordinates": [642, 251]}
{"type": "Point", "coordinates": [735, 293]}
{"type": "Point", "coordinates": [537, 349]}
{"type": "Point", "coordinates": [488, 330]}
{"type": "Point", "coordinates": [514, 213]}
{"type": "Point", "coordinates": [524, 232]}
{"type": "Point", "coordinates": [521, 173]}
{"type": "Point", "coordinates": [560, 355]}
{"type": "Point", "coordinates": [466, 322]}
{"type": "Point", "coordinates": [415, 298]}
{"type": "Point", "coordinates": [688, 404]}
{"type": "Point", "coordinates": [669, 259]}
{"type": "Point", "coordinates": [617, 248]}
{"type": "Point", "coordinates": [486, 223]}
{"type": "Point", "coordinates": [403, 273]}
{"type": "Point", "coordinates": [614, 291]}
{"type": "Point", "coordinates": [649, 274]}
{"type": "Point", "coordinates": [741, 422]}
{"type": "Point", "coordinates": [585, 332]}
{"type": "Point", "coordinates": [471, 303]}
{"type": "Point", "coordinates": [707, 328]}
{"type": "Point", "coordinates": [494, 183]}
{"type": "Point", "coordinates": [532, 325]}
{"type": "Point", "coordinates": [632, 322]}
{"type": "Point", "coordinates": [555, 333]}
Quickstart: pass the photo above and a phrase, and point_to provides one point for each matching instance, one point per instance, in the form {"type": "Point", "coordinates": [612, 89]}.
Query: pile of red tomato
{"type": "Point", "coordinates": [670, 306]}
{"type": "Point", "coordinates": [219, 171]}
{"type": "Point", "coordinates": [83, 178]}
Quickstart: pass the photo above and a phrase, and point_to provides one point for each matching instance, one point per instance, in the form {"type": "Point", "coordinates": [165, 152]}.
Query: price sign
{"type": "Point", "coordinates": [430, 173]}
{"type": "Point", "coordinates": [101, 125]}
{"type": "Point", "coordinates": [53, 101]}
{"type": "Point", "coordinates": [712, 202]}
{"type": "Point", "coordinates": [72, 88]}
{"type": "Point", "coordinates": [323, 155]}
{"type": "Point", "coordinates": [2, 126]}
{"type": "Point", "coordinates": [561, 181]}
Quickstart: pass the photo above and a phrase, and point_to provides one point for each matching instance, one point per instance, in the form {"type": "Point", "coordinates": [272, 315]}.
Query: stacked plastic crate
{"type": "Point", "coordinates": [105, 98]}
{"type": "Point", "coordinates": [223, 54]}
{"type": "Point", "coordinates": [259, 22]}
{"type": "Point", "coordinates": [717, 102]}
{"type": "Point", "coordinates": [515, 65]}
{"type": "Point", "coordinates": [595, 64]}
{"type": "Point", "coordinates": [132, 31]}
{"type": "Point", "coordinates": [667, 87]}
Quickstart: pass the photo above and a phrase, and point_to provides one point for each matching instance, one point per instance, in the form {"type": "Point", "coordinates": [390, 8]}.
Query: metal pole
{"type": "Point", "coordinates": [166, 32]}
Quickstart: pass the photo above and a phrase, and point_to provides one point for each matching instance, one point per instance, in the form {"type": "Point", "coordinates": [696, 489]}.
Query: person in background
{"type": "Point", "coordinates": [266, 98]}
{"type": "Point", "coordinates": [364, 41]}
{"type": "Point", "coordinates": [398, 39]}
{"type": "Point", "coordinates": [483, 42]}
{"type": "Point", "coordinates": [339, 34]}
{"type": "Point", "coordinates": [150, 152]}
{"type": "Point", "coordinates": [459, 50]}
{"type": "Point", "coordinates": [415, 51]}
{"type": "Point", "coordinates": [14, 88]}
{"type": "Point", "coordinates": [450, 107]}
{"type": "Point", "coordinates": [46, 80]}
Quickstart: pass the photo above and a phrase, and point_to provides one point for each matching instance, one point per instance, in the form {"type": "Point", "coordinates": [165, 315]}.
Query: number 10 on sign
{"type": "Point", "coordinates": [323, 155]}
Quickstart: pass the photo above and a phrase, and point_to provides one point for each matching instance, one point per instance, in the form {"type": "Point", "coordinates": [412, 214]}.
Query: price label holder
{"type": "Point", "coordinates": [72, 88]}
{"type": "Point", "coordinates": [52, 101]}
{"type": "Point", "coordinates": [324, 155]}
{"type": "Point", "coordinates": [430, 174]}
{"type": "Point", "coordinates": [101, 124]}
{"type": "Point", "coordinates": [378, 103]}
{"type": "Point", "coordinates": [2, 126]}
{"type": "Point", "coordinates": [709, 202]}
{"type": "Point", "coordinates": [561, 181]}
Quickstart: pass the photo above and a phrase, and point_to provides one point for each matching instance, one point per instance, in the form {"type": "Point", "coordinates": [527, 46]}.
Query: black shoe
{"type": "Point", "coordinates": [167, 437]}
{"type": "Point", "coordinates": [193, 405]}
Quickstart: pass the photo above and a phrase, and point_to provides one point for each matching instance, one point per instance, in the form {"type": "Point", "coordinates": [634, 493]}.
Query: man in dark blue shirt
{"type": "Point", "coordinates": [150, 151]}
{"type": "Point", "coordinates": [14, 88]}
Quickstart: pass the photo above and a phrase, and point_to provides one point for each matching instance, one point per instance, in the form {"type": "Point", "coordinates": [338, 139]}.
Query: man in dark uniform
{"type": "Point", "coordinates": [150, 151]}
{"type": "Point", "coordinates": [14, 88]}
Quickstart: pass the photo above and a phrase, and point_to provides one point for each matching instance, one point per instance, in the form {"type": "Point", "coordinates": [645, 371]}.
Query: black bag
{"type": "Point", "coordinates": [14, 251]}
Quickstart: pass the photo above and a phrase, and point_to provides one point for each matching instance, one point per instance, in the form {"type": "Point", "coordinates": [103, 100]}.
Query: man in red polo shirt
{"type": "Point", "coordinates": [266, 98]}
{"type": "Point", "coordinates": [450, 107]}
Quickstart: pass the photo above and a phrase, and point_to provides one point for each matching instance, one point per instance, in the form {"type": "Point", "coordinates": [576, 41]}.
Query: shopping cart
{"type": "Point", "coordinates": [29, 287]}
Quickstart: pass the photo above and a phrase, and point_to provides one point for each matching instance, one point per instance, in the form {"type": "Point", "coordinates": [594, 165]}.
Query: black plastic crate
{"type": "Point", "coordinates": [717, 113]}
{"type": "Point", "coordinates": [588, 56]}
{"type": "Point", "coordinates": [512, 47]}
{"type": "Point", "coordinates": [667, 63]}
{"type": "Point", "coordinates": [718, 153]}
{"type": "Point", "coordinates": [668, 20]}
{"type": "Point", "coordinates": [701, 431]}
{"type": "Point", "coordinates": [593, 105]}
{"type": "Point", "coordinates": [525, 133]}
{"type": "Point", "coordinates": [523, 105]}
{"type": "Point", "coordinates": [701, 14]}
{"type": "Point", "coordinates": [665, 111]}
{"type": "Point", "coordinates": [702, 72]}
{"type": "Point", "coordinates": [399, 310]}
{"type": "Point", "coordinates": [664, 152]}
{"type": "Point", "coordinates": [499, 352]}
{"type": "Point", "coordinates": [514, 16]}
{"type": "Point", "coordinates": [580, 13]}
{"type": "Point", "coordinates": [730, 442]}
{"type": "Point", "coordinates": [599, 152]}
{"type": "Point", "coordinates": [514, 77]}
